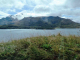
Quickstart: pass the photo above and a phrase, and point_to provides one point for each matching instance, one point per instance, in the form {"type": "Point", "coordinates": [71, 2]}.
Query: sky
{"type": "Point", "coordinates": [32, 8]}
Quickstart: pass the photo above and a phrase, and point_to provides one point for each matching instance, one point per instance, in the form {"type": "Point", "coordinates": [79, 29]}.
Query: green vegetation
{"type": "Point", "coordinates": [50, 22]}
{"type": "Point", "coordinates": [42, 48]}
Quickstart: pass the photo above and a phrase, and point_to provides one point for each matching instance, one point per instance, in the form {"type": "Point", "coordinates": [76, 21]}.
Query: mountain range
{"type": "Point", "coordinates": [44, 22]}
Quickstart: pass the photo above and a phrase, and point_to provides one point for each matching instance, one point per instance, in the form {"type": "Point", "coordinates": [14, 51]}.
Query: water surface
{"type": "Point", "coordinates": [12, 34]}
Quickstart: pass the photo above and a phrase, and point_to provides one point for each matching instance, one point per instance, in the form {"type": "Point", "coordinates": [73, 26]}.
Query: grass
{"type": "Point", "coordinates": [42, 48]}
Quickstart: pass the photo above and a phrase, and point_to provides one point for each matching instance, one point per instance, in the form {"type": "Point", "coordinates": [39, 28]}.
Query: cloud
{"type": "Point", "coordinates": [27, 13]}
{"type": "Point", "coordinates": [7, 6]}
{"type": "Point", "coordinates": [24, 8]}
{"type": "Point", "coordinates": [72, 3]}
{"type": "Point", "coordinates": [42, 9]}
{"type": "Point", "coordinates": [11, 10]}
{"type": "Point", "coordinates": [12, 4]}
{"type": "Point", "coordinates": [2, 14]}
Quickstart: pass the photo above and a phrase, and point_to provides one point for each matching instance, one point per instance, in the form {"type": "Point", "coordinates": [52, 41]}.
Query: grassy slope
{"type": "Point", "coordinates": [42, 48]}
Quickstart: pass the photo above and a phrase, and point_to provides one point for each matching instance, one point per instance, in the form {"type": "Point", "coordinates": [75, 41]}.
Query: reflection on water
{"type": "Point", "coordinates": [11, 34]}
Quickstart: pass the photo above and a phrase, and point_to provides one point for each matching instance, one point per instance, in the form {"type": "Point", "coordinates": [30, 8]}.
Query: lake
{"type": "Point", "coordinates": [12, 34]}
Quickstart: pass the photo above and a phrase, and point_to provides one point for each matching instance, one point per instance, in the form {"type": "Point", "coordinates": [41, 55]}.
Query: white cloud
{"type": "Point", "coordinates": [42, 8]}
{"type": "Point", "coordinates": [27, 13]}
{"type": "Point", "coordinates": [2, 14]}
{"type": "Point", "coordinates": [10, 10]}
{"type": "Point", "coordinates": [12, 4]}
{"type": "Point", "coordinates": [72, 3]}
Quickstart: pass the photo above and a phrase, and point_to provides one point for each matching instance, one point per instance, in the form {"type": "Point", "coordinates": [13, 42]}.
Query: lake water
{"type": "Point", "coordinates": [12, 34]}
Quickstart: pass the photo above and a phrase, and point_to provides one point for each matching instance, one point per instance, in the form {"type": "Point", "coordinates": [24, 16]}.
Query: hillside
{"type": "Point", "coordinates": [42, 48]}
{"type": "Point", "coordinates": [49, 22]}
{"type": "Point", "coordinates": [8, 20]}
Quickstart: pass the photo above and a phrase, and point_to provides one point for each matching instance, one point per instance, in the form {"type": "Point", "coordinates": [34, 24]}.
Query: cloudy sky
{"type": "Point", "coordinates": [25, 8]}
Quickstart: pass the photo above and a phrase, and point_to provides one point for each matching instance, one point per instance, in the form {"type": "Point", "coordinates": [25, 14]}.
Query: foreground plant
{"type": "Point", "coordinates": [42, 48]}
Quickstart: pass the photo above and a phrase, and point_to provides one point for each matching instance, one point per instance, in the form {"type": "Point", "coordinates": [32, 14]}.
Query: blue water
{"type": "Point", "coordinates": [13, 34]}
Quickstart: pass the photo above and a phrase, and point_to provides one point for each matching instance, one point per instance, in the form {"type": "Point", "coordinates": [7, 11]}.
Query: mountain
{"type": "Point", "coordinates": [45, 22]}
{"type": "Point", "coordinates": [8, 20]}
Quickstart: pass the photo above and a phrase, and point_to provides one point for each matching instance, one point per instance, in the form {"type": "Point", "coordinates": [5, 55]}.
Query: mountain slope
{"type": "Point", "coordinates": [49, 22]}
{"type": "Point", "coordinates": [8, 20]}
